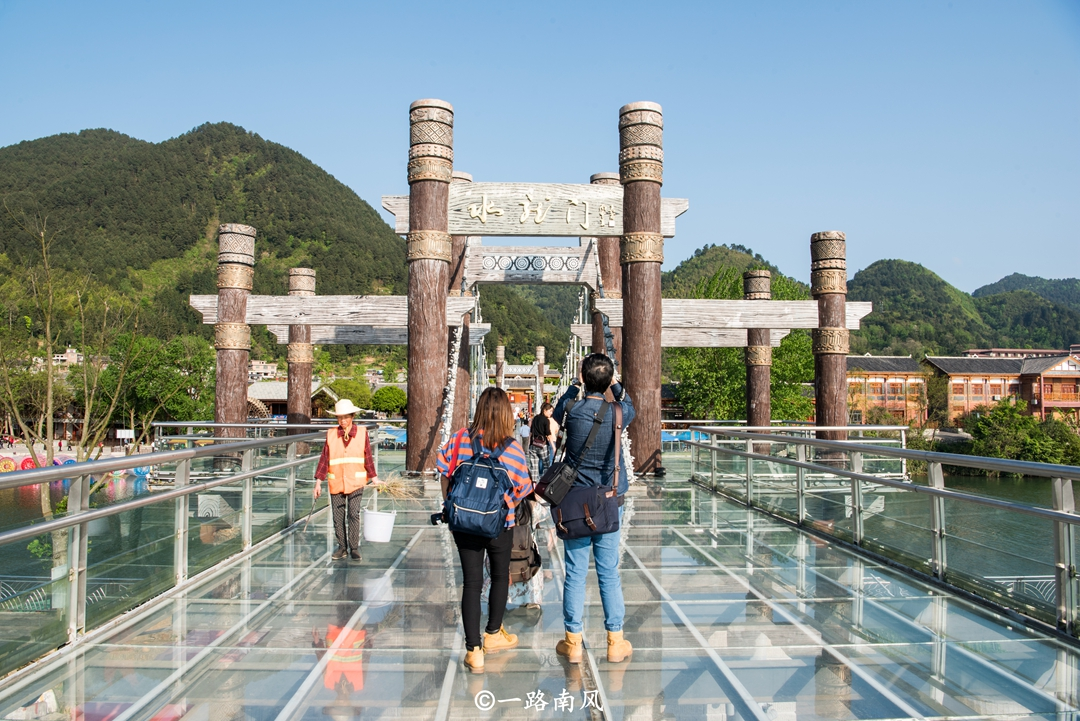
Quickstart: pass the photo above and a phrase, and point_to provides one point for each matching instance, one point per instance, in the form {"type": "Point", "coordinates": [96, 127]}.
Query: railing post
{"type": "Point", "coordinates": [248, 497]}
{"type": "Point", "coordinates": [290, 506]}
{"type": "Point", "coordinates": [749, 474]}
{"type": "Point", "coordinates": [1064, 563]}
{"type": "Point", "coordinates": [78, 502]}
{"type": "Point", "coordinates": [713, 440]}
{"type": "Point", "coordinates": [903, 444]}
{"type": "Point", "coordinates": [183, 503]}
{"type": "Point", "coordinates": [693, 455]}
{"type": "Point", "coordinates": [856, 501]}
{"type": "Point", "coordinates": [937, 523]}
{"type": "Point", "coordinates": [800, 482]}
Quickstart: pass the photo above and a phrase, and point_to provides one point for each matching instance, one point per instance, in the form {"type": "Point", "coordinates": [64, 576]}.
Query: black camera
{"type": "Point", "coordinates": [437, 518]}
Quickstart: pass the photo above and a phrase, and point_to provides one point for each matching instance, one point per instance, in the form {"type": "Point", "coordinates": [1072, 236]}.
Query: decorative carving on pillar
{"type": "Point", "coordinates": [233, 275]}
{"type": "Point", "coordinates": [236, 244]}
{"type": "Point", "coordinates": [758, 355]}
{"type": "Point", "coordinates": [232, 336]}
{"type": "Point", "coordinates": [301, 281]}
{"type": "Point", "coordinates": [830, 341]}
{"type": "Point", "coordinates": [431, 141]}
{"type": "Point", "coordinates": [433, 244]}
{"type": "Point", "coordinates": [641, 143]}
{"type": "Point", "coordinates": [833, 280]}
{"type": "Point", "coordinates": [641, 248]}
{"type": "Point", "coordinates": [300, 353]}
{"type": "Point", "coordinates": [604, 179]}
{"type": "Point", "coordinates": [757, 285]}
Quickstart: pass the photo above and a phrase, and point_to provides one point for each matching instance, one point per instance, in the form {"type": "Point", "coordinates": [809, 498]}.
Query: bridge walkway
{"type": "Point", "coordinates": [733, 615]}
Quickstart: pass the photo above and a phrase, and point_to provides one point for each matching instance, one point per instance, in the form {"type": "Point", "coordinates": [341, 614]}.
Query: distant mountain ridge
{"type": "Point", "coordinates": [916, 312]}
{"type": "Point", "coordinates": [1064, 291]}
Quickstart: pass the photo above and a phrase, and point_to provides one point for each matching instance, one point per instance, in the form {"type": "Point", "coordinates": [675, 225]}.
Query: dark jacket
{"type": "Point", "coordinates": [598, 465]}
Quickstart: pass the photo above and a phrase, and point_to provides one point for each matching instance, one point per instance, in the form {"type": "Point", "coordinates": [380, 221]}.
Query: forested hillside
{"type": "Point", "coordinates": [917, 312]}
{"type": "Point", "coordinates": [683, 281]}
{"type": "Point", "coordinates": [1065, 291]}
{"type": "Point", "coordinates": [141, 217]}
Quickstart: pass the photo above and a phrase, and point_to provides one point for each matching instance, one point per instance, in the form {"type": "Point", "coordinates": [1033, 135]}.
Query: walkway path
{"type": "Point", "coordinates": [732, 614]}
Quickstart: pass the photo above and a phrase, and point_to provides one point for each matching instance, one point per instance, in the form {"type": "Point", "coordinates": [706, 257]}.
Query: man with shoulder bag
{"type": "Point", "coordinates": [587, 517]}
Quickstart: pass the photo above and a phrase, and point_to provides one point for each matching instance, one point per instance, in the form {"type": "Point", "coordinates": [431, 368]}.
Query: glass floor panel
{"type": "Point", "coordinates": [733, 615]}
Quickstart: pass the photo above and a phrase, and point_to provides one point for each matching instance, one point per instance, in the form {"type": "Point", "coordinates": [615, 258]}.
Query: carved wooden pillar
{"type": "Point", "coordinates": [457, 275]}
{"type": "Point", "coordinates": [300, 355]}
{"type": "Point", "coordinates": [641, 165]}
{"type": "Point", "coordinates": [540, 358]}
{"type": "Point", "coordinates": [431, 160]}
{"type": "Point", "coordinates": [232, 336]}
{"type": "Point", "coordinates": [611, 274]}
{"type": "Point", "coordinates": [828, 283]}
{"type": "Point", "coordinates": [500, 367]}
{"type": "Point", "coordinates": [757, 285]}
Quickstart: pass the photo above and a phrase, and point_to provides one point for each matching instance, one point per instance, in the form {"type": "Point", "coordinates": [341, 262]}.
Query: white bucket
{"type": "Point", "coordinates": [378, 525]}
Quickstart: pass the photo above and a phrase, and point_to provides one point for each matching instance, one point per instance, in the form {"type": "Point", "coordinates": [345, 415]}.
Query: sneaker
{"type": "Point", "coordinates": [355, 555]}
{"type": "Point", "coordinates": [339, 554]}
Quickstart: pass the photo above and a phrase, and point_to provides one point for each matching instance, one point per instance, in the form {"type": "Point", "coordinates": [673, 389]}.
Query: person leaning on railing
{"type": "Point", "coordinates": [347, 466]}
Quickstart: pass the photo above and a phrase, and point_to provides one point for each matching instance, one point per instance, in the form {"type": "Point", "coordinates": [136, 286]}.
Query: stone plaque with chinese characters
{"type": "Point", "coordinates": [541, 209]}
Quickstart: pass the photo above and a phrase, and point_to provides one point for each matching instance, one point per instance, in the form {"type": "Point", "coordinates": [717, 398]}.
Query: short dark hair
{"type": "Point", "coordinates": [597, 370]}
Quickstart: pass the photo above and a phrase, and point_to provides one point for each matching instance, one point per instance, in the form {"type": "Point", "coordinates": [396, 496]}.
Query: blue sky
{"type": "Point", "coordinates": [946, 133]}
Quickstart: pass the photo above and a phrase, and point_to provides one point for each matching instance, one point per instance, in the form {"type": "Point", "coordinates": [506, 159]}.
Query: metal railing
{"type": "Point", "coordinates": [830, 486]}
{"type": "Point", "coordinates": [121, 552]}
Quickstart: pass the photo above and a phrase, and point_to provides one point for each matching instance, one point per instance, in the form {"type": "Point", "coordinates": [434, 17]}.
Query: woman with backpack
{"type": "Point", "coordinates": [465, 463]}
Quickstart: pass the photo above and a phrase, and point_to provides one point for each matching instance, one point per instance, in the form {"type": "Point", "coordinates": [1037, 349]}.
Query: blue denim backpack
{"type": "Point", "coordinates": [476, 502]}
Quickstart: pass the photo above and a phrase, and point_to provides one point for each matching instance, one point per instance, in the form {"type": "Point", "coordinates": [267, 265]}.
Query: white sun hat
{"type": "Point", "coordinates": [345, 407]}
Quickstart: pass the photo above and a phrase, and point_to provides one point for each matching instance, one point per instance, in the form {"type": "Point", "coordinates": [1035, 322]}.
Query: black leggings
{"type": "Point", "coordinates": [471, 549]}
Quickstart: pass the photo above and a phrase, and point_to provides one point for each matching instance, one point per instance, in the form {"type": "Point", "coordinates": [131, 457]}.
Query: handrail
{"type": "Point", "coordinates": [1039, 511]}
{"type": "Point", "coordinates": [1001, 465]}
{"type": "Point", "coordinates": [74, 519]}
{"type": "Point", "coordinates": [15, 479]}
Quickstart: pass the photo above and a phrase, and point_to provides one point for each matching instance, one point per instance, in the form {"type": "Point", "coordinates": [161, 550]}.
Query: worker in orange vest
{"type": "Point", "coordinates": [347, 467]}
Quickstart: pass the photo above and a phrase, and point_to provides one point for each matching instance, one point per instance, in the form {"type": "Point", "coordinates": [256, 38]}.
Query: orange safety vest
{"type": "Point", "coordinates": [348, 660]}
{"type": "Point", "coordinates": [347, 472]}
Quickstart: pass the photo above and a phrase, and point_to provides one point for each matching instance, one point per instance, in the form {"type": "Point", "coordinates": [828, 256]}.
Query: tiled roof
{"type": "Point", "coordinates": [279, 390]}
{"type": "Point", "coordinates": [1041, 365]}
{"type": "Point", "coordinates": [883, 364]}
{"type": "Point", "coordinates": [958, 365]}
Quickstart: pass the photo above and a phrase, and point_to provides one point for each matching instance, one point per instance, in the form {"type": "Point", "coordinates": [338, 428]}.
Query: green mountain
{"type": "Point", "coordinates": [1022, 319]}
{"type": "Point", "coordinates": [141, 217]}
{"type": "Point", "coordinates": [518, 323]}
{"type": "Point", "coordinates": [917, 312]}
{"type": "Point", "coordinates": [1064, 292]}
{"type": "Point", "coordinates": [704, 263]}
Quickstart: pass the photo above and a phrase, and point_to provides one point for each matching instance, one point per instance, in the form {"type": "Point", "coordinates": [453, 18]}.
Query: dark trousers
{"type": "Point", "coordinates": [347, 506]}
{"type": "Point", "coordinates": [471, 550]}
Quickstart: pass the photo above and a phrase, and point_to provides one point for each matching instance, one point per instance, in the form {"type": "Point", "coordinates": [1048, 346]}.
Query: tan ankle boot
{"type": "Point", "coordinates": [474, 660]}
{"type": "Point", "coordinates": [618, 648]}
{"type": "Point", "coordinates": [499, 641]}
{"type": "Point", "coordinates": [570, 647]}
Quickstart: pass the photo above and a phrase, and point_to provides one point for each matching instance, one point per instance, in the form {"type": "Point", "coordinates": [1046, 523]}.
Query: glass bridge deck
{"type": "Point", "coordinates": [732, 615]}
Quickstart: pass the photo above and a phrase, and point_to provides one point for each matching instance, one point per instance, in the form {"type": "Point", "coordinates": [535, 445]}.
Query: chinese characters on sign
{"type": "Point", "coordinates": [535, 209]}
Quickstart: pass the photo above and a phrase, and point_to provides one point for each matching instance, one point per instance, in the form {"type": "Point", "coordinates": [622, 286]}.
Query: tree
{"type": "Point", "coordinates": [389, 399]}
{"type": "Point", "coordinates": [712, 381]}
{"type": "Point", "coordinates": [357, 391]}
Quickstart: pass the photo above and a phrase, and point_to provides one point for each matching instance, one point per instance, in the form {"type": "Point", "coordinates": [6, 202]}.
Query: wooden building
{"type": "Point", "coordinates": [896, 384]}
{"type": "Point", "coordinates": [1043, 385]}
{"type": "Point", "coordinates": [269, 399]}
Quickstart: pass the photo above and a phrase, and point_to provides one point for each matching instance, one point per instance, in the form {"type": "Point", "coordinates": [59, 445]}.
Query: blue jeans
{"type": "Point", "coordinates": [605, 549]}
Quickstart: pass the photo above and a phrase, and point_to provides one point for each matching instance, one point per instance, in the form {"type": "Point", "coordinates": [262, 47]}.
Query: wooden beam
{"type": "Point", "coordinates": [530, 264]}
{"type": "Point", "coordinates": [388, 310]}
{"type": "Point", "coordinates": [691, 337]}
{"type": "Point", "coordinates": [398, 206]}
{"type": "Point", "coordinates": [679, 313]}
{"type": "Point", "coordinates": [368, 334]}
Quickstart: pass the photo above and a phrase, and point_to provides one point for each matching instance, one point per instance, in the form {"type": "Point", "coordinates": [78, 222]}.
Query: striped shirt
{"type": "Point", "coordinates": [459, 449]}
